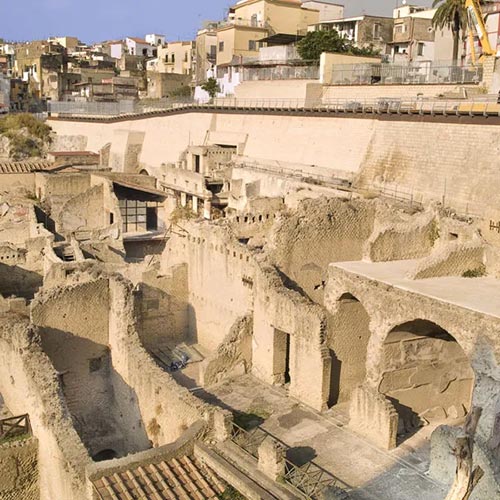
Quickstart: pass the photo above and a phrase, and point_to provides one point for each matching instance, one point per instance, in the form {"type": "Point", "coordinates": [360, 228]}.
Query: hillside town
{"type": "Point", "coordinates": [247, 45]}
{"type": "Point", "coordinates": [259, 264]}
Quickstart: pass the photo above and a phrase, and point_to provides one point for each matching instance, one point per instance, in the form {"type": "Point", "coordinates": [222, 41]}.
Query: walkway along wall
{"type": "Point", "coordinates": [439, 158]}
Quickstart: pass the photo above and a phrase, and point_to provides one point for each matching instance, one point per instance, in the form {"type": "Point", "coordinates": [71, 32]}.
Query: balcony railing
{"type": "Point", "coordinates": [14, 427]}
{"type": "Point", "coordinates": [485, 105]}
{"type": "Point", "coordinates": [417, 72]}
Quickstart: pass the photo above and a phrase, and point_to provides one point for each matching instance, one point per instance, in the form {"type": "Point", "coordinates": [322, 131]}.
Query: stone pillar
{"type": "Point", "coordinates": [195, 204]}
{"type": "Point", "coordinates": [183, 199]}
{"type": "Point", "coordinates": [373, 416]}
{"type": "Point", "coordinates": [272, 458]}
{"type": "Point", "coordinates": [207, 209]}
{"type": "Point", "coordinates": [223, 420]}
{"type": "Point", "coordinates": [489, 63]}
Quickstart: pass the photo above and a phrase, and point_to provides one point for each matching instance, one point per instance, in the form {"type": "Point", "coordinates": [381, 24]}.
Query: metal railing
{"type": "Point", "coordinates": [309, 479]}
{"type": "Point", "coordinates": [281, 72]}
{"type": "Point", "coordinates": [14, 426]}
{"type": "Point", "coordinates": [414, 73]}
{"type": "Point", "coordinates": [479, 105]}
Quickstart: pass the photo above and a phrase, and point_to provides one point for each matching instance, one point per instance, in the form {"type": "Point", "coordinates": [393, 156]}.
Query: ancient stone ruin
{"type": "Point", "coordinates": [216, 326]}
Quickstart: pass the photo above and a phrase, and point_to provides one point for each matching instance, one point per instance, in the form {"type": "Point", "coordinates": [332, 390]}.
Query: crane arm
{"type": "Point", "coordinates": [476, 24]}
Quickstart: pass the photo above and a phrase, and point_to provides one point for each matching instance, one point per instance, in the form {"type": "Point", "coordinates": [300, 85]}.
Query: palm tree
{"type": "Point", "coordinates": [451, 14]}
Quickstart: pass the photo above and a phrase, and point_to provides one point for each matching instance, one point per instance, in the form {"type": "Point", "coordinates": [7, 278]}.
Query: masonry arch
{"type": "Point", "coordinates": [426, 375]}
{"type": "Point", "coordinates": [347, 341]}
{"type": "Point", "coordinates": [143, 172]}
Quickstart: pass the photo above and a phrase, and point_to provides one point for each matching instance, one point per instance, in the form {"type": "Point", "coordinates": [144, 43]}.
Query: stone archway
{"type": "Point", "coordinates": [425, 374]}
{"type": "Point", "coordinates": [348, 337]}
{"type": "Point", "coordinates": [143, 172]}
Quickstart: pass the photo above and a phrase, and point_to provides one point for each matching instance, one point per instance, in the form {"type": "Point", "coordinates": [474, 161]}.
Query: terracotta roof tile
{"type": "Point", "coordinates": [185, 478]}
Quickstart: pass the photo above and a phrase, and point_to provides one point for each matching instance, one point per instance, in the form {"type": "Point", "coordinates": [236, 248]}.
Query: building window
{"type": "Point", "coordinates": [377, 31]}
{"type": "Point", "coordinates": [252, 45]}
{"type": "Point", "coordinates": [221, 46]}
{"type": "Point", "coordinates": [420, 49]}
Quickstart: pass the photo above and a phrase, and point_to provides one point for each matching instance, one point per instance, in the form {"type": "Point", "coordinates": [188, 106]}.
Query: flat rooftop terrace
{"type": "Point", "coordinates": [480, 295]}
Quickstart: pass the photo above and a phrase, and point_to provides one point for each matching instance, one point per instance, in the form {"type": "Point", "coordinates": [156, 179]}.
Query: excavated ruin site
{"type": "Point", "coordinates": [197, 318]}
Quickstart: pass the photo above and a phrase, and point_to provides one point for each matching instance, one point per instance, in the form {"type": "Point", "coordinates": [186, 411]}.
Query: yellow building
{"type": "Point", "coordinates": [176, 57]}
{"type": "Point", "coordinates": [250, 21]}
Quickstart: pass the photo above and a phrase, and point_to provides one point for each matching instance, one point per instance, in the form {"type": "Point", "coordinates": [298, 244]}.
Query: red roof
{"type": "Point", "coordinates": [73, 153]}
{"type": "Point", "coordinates": [138, 40]}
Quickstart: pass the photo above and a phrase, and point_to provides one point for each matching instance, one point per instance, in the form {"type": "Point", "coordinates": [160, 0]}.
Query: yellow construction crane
{"type": "Point", "coordinates": [476, 25]}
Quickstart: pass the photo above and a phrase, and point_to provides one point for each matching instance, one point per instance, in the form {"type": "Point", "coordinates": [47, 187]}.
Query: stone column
{"type": "Point", "coordinates": [223, 420]}
{"type": "Point", "coordinates": [271, 458]}
{"type": "Point", "coordinates": [183, 199]}
{"type": "Point", "coordinates": [373, 416]}
{"type": "Point", "coordinates": [195, 204]}
{"type": "Point", "coordinates": [207, 209]}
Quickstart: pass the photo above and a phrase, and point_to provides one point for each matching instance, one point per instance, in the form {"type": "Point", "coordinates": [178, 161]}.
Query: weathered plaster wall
{"type": "Point", "coordinates": [28, 384]}
{"type": "Point", "coordinates": [74, 326]}
{"type": "Point", "coordinates": [318, 233]}
{"type": "Point", "coordinates": [216, 266]}
{"type": "Point", "coordinates": [19, 470]}
{"type": "Point", "coordinates": [167, 409]}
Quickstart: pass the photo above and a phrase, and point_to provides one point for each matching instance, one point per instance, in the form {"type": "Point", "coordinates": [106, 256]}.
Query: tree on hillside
{"type": "Point", "coordinates": [315, 43]}
{"type": "Point", "coordinates": [451, 14]}
{"type": "Point", "coordinates": [211, 87]}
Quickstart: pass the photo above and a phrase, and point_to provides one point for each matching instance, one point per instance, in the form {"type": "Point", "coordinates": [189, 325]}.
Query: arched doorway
{"type": "Point", "coordinates": [143, 172]}
{"type": "Point", "coordinates": [426, 375]}
{"type": "Point", "coordinates": [348, 336]}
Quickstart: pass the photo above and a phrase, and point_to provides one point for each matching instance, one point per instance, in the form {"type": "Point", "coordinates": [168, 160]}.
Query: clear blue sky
{"type": "Point", "coordinates": [95, 20]}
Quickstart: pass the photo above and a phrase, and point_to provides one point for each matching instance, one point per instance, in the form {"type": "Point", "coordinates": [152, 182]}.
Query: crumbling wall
{"type": "Point", "coordinates": [162, 302]}
{"type": "Point", "coordinates": [19, 281]}
{"type": "Point", "coordinates": [289, 333]}
{"type": "Point", "coordinates": [19, 470]}
{"type": "Point", "coordinates": [167, 409]}
{"type": "Point", "coordinates": [348, 337]}
{"type": "Point", "coordinates": [28, 384]}
{"type": "Point", "coordinates": [453, 259]}
{"type": "Point", "coordinates": [83, 212]}
{"type": "Point", "coordinates": [399, 236]}
{"type": "Point", "coordinates": [103, 406]}
{"type": "Point", "coordinates": [233, 357]}
{"type": "Point", "coordinates": [217, 266]}
{"type": "Point", "coordinates": [318, 233]}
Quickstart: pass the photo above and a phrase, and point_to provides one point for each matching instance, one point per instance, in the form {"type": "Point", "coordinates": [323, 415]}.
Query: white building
{"type": "Point", "coordinates": [154, 39]}
{"type": "Point", "coordinates": [139, 47]}
{"type": "Point", "coordinates": [328, 9]}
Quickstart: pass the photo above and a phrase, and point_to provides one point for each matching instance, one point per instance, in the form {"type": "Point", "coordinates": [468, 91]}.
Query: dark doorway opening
{"type": "Point", "coordinates": [287, 359]}
{"type": "Point", "coordinates": [151, 218]}
{"type": "Point", "coordinates": [197, 163]}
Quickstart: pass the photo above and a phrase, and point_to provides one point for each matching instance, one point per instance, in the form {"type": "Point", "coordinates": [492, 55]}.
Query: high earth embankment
{"type": "Point", "coordinates": [450, 158]}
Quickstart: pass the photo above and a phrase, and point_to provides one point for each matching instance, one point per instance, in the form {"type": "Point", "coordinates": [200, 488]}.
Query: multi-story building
{"type": "Point", "coordinates": [251, 21]}
{"type": "Point", "coordinates": [139, 47]}
{"type": "Point", "coordinates": [413, 34]}
{"type": "Point", "coordinates": [205, 52]}
{"type": "Point", "coordinates": [363, 31]}
{"type": "Point", "coordinates": [41, 64]}
{"type": "Point", "coordinates": [328, 9]}
{"type": "Point", "coordinates": [175, 57]}
{"type": "Point", "coordinates": [154, 39]}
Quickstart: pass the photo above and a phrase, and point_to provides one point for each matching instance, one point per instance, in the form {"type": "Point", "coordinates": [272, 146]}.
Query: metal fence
{"type": "Point", "coordinates": [415, 73]}
{"type": "Point", "coordinates": [480, 105]}
{"type": "Point", "coordinates": [309, 479]}
{"type": "Point", "coordinates": [281, 73]}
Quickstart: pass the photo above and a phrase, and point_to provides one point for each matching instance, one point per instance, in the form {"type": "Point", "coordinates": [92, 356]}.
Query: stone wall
{"type": "Point", "coordinates": [320, 232]}
{"type": "Point", "coordinates": [216, 266]}
{"type": "Point", "coordinates": [163, 306]}
{"type": "Point", "coordinates": [166, 408]}
{"type": "Point", "coordinates": [391, 150]}
{"type": "Point", "coordinates": [28, 384]}
{"type": "Point", "coordinates": [19, 470]}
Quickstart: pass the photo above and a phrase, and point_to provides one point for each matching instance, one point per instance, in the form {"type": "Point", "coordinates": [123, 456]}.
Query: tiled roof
{"type": "Point", "coordinates": [184, 478]}
{"type": "Point", "coordinates": [23, 166]}
{"type": "Point", "coordinates": [138, 40]}
{"type": "Point", "coordinates": [73, 153]}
